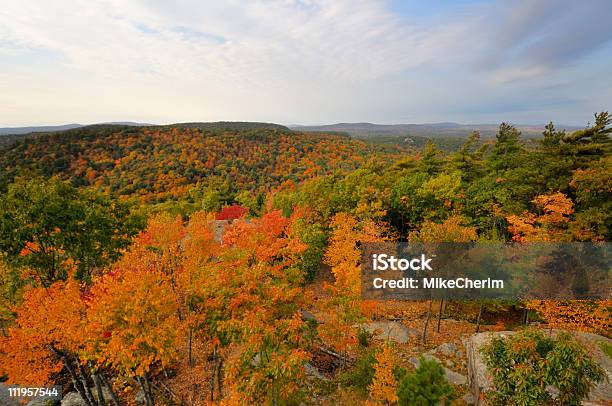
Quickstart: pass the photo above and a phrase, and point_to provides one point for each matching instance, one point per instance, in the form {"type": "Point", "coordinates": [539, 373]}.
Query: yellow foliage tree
{"type": "Point", "coordinates": [383, 389]}
{"type": "Point", "coordinates": [345, 307]}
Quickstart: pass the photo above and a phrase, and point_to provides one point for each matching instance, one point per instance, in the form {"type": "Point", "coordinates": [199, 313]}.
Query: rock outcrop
{"type": "Point", "coordinates": [480, 382]}
{"type": "Point", "coordinates": [390, 330]}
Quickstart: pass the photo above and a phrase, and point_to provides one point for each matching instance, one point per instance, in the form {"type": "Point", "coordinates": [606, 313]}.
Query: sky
{"type": "Point", "coordinates": [304, 61]}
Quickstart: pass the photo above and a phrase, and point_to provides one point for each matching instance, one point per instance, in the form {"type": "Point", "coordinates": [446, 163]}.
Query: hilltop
{"type": "Point", "coordinates": [53, 128]}
{"type": "Point", "coordinates": [157, 163]}
{"type": "Point", "coordinates": [10, 134]}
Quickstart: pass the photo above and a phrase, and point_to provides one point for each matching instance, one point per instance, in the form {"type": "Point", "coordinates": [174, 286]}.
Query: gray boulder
{"type": "Point", "coordinates": [140, 397]}
{"type": "Point", "coordinates": [390, 330]}
{"type": "Point", "coordinates": [73, 399]}
{"type": "Point", "coordinates": [447, 349]}
{"type": "Point", "coordinates": [40, 402]}
{"type": "Point", "coordinates": [5, 399]}
{"type": "Point", "coordinates": [469, 399]}
{"type": "Point", "coordinates": [313, 372]}
{"type": "Point", "coordinates": [308, 316]}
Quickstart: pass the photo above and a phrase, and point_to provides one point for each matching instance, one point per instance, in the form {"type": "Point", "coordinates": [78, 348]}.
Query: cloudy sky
{"type": "Point", "coordinates": [304, 61]}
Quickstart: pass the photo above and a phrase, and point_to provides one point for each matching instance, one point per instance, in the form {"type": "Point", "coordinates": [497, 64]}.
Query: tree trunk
{"type": "Point", "coordinates": [73, 376]}
{"type": "Point", "coordinates": [479, 317]}
{"type": "Point", "coordinates": [150, 388]}
{"type": "Point", "coordinates": [190, 347]}
{"type": "Point", "coordinates": [219, 376]}
{"type": "Point", "coordinates": [144, 391]}
{"type": "Point", "coordinates": [83, 374]}
{"type": "Point", "coordinates": [110, 389]}
{"type": "Point", "coordinates": [212, 376]}
{"type": "Point", "coordinates": [274, 395]}
{"type": "Point", "coordinates": [98, 384]}
{"type": "Point", "coordinates": [427, 322]}
{"type": "Point", "coordinates": [439, 315]}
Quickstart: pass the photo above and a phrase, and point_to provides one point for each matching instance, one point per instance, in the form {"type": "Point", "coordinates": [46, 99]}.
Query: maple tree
{"type": "Point", "coordinates": [548, 226]}
{"type": "Point", "coordinates": [263, 294]}
{"type": "Point", "coordinates": [48, 335]}
{"type": "Point", "coordinates": [232, 212]}
{"type": "Point", "coordinates": [132, 324]}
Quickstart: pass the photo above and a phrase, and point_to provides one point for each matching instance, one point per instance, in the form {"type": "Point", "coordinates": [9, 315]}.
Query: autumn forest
{"type": "Point", "coordinates": [219, 263]}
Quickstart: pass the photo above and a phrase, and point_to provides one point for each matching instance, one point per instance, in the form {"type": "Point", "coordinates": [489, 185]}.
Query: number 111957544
{"type": "Point", "coordinates": [46, 392]}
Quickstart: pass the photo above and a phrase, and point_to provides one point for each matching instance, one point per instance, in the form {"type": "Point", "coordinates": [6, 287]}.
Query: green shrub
{"type": "Point", "coordinates": [363, 338]}
{"type": "Point", "coordinates": [361, 374]}
{"type": "Point", "coordinates": [606, 348]}
{"type": "Point", "coordinates": [524, 365]}
{"type": "Point", "coordinates": [426, 386]}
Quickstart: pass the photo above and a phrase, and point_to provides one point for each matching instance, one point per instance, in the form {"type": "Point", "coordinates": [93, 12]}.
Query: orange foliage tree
{"type": "Point", "coordinates": [553, 225]}
{"type": "Point", "coordinates": [450, 230]}
{"type": "Point", "coordinates": [259, 284]}
{"type": "Point", "coordinates": [550, 225]}
{"type": "Point", "coordinates": [48, 335]}
{"type": "Point", "coordinates": [133, 325]}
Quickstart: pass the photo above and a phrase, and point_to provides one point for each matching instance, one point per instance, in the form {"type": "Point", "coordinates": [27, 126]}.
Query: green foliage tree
{"type": "Point", "coordinates": [469, 159]}
{"type": "Point", "coordinates": [552, 137]}
{"type": "Point", "coordinates": [593, 141]}
{"type": "Point", "coordinates": [45, 224]}
{"type": "Point", "coordinates": [426, 386]}
{"type": "Point", "coordinates": [507, 148]}
{"type": "Point", "coordinates": [313, 235]}
{"type": "Point", "coordinates": [431, 161]}
{"type": "Point", "coordinates": [525, 365]}
{"type": "Point", "coordinates": [593, 192]}
{"type": "Point", "coordinates": [253, 202]}
{"type": "Point", "coordinates": [360, 375]}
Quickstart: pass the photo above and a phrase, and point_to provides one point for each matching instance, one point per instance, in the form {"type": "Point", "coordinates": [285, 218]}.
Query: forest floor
{"type": "Point", "coordinates": [446, 331]}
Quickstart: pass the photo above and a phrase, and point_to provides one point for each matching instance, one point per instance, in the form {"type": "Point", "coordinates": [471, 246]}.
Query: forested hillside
{"type": "Point", "coordinates": [188, 266]}
{"type": "Point", "coordinates": [157, 163]}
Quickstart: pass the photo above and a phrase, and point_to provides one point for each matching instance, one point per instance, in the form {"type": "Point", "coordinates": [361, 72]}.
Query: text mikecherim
{"type": "Point", "coordinates": [384, 262]}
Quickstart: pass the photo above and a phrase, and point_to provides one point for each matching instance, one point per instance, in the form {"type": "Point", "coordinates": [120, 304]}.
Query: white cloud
{"type": "Point", "coordinates": [280, 60]}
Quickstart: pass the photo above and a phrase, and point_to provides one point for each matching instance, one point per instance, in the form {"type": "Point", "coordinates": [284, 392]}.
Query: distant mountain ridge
{"type": "Point", "coordinates": [433, 130]}
{"type": "Point", "coordinates": [32, 129]}
{"type": "Point", "coordinates": [230, 125]}
{"type": "Point", "coordinates": [63, 127]}
{"type": "Point", "coordinates": [357, 130]}
{"type": "Point", "coordinates": [9, 135]}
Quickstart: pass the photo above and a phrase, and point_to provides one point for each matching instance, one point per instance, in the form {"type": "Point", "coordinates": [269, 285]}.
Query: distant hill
{"type": "Point", "coordinates": [46, 128]}
{"type": "Point", "coordinates": [158, 163]}
{"type": "Point", "coordinates": [230, 126]}
{"type": "Point", "coordinates": [53, 128]}
{"type": "Point", "coordinates": [434, 130]}
{"type": "Point", "coordinates": [10, 134]}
